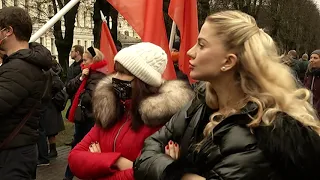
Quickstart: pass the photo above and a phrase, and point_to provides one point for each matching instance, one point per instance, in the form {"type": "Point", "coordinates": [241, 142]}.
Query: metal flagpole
{"type": "Point", "coordinates": [103, 18]}
{"type": "Point", "coordinates": [53, 20]}
{"type": "Point", "coordinates": [172, 35]}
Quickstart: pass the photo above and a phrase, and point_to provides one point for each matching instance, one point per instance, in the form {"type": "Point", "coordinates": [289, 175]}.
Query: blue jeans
{"type": "Point", "coordinates": [81, 130]}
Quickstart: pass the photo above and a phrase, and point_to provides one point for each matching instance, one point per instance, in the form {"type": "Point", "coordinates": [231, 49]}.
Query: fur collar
{"type": "Point", "coordinates": [155, 110]}
{"type": "Point", "coordinates": [293, 148]}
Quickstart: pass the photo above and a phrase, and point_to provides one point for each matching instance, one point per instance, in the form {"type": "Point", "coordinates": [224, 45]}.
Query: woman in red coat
{"type": "Point", "coordinates": [128, 106]}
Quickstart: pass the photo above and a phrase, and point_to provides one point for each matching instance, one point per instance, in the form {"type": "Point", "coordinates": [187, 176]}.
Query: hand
{"type": "Point", "coordinates": [124, 163]}
{"type": "Point", "coordinates": [85, 72]}
{"type": "Point", "coordinates": [192, 177]}
{"type": "Point", "coordinates": [95, 148]}
{"type": "Point", "coordinates": [173, 150]}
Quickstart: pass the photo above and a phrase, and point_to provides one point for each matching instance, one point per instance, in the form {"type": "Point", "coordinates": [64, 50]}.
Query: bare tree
{"type": "Point", "coordinates": [203, 11]}
{"type": "Point", "coordinates": [4, 3]}
{"type": "Point", "coordinates": [108, 11]}
{"type": "Point", "coordinates": [64, 41]}
{"type": "Point", "coordinates": [294, 24]}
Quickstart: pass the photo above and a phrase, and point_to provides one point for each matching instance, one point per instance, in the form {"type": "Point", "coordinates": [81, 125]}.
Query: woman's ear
{"type": "Point", "coordinates": [230, 62]}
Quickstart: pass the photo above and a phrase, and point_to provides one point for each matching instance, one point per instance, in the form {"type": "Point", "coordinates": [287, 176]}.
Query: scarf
{"type": "Point", "coordinates": [99, 67]}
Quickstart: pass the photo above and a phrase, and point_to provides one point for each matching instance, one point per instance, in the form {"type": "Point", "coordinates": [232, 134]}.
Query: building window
{"type": "Point", "coordinates": [126, 33]}
{"type": "Point", "coordinates": [110, 22]}
{"type": "Point", "coordinates": [79, 42]}
{"type": "Point", "coordinates": [77, 19]}
{"type": "Point", "coordinates": [90, 20]}
{"type": "Point", "coordinates": [26, 3]}
{"type": "Point", "coordinates": [85, 45]}
{"type": "Point", "coordinates": [50, 10]}
{"type": "Point", "coordinates": [15, 2]}
{"type": "Point", "coordinates": [42, 41]}
{"type": "Point", "coordinates": [84, 18]}
{"type": "Point", "coordinates": [52, 46]}
{"type": "Point", "coordinates": [38, 10]}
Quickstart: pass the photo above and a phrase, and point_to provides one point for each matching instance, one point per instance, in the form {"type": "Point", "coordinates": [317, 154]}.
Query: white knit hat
{"type": "Point", "coordinates": [144, 60]}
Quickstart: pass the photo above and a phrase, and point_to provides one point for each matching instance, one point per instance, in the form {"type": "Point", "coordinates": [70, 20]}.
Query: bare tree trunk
{"type": "Point", "coordinates": [4, 4]}
{"type": "Point", "coordinates": [114, 30]}
{"type": "Point", "coordinates": [203, 11]}
{"type": "Point", "coordinates": [105, 7]}
{"type": "Point", "coordinates": [167, 19]}
{"type": "Point", "coordinates": [64, 44]}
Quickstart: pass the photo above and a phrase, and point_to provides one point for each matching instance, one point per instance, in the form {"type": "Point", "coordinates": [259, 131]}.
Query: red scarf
{"type": "Point", "coordinates": [100, 66]}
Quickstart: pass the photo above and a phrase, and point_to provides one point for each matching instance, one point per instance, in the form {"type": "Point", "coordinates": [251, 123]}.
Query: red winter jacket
{"type": "Point", "coordinates": [155, 111]}
{"type": "Point", "coordinates": [87, 165]}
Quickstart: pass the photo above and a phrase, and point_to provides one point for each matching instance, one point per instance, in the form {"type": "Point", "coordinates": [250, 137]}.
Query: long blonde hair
{"type": "Point", "coordinates": [264, 80]}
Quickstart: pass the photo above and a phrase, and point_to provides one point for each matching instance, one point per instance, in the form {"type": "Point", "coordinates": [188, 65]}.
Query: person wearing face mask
{"type": "Point", "coordinates": [94, 68]}
{"type": "Point", "coordinates": [129, 106]}
{"type": "Point", "coordinates": [22, 88]}
{"type": "Point", "coordinates": [312, 78]}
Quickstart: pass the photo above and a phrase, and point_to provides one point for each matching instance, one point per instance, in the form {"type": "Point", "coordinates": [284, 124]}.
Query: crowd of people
{"type": "Point", "coordinates": [253, 114]}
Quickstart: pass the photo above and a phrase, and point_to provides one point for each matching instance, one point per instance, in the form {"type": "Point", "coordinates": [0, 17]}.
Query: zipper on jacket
{"type": "Point", "coordinates": [118, 133]}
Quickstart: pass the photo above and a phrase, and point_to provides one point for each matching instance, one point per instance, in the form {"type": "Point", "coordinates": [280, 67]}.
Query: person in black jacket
{"type": "Point", "coordinates": [22, 85]}
{"type": "Point", "coordinates": [53, 118]}
{"type": "Point", "coordinates": [73, 71]}
{"type": "Point", "coordinates": [250, 124]}
{"type": "Point", "coordinates": [76, 54]}
{"type": "Point", "coordinates": [94, 68]}
{"type": "Point", "coordinates": [57, 68]}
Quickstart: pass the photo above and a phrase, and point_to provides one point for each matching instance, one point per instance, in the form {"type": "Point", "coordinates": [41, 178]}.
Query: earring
{"type": "Point", "coordinates": [223, 68]}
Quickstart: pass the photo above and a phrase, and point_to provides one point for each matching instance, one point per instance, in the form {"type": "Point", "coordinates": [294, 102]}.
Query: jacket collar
{"type": "Point", "coordinates": [240, 118]}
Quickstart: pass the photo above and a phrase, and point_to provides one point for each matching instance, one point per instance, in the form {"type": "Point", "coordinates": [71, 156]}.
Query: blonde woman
{"type": "Point", "coordinates": [254, 123]}
{"type": "Point", "coordinates": [94, 68]}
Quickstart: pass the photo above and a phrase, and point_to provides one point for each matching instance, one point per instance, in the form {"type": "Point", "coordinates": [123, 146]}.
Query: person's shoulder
{"type": "Point", "coordinates": [297, 145]}
{"type": "Point", "coordinates": [285, 125]}
{"type": "Point", "coordinates": [20, 66]}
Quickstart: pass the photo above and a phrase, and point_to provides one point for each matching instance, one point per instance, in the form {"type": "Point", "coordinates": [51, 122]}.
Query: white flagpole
{"type": "Point", "coordinates": [53, 20]}
{"type": "Point", "coordinates": [172, 35]}
{"type": "Point", "coordinates": [103, 18]}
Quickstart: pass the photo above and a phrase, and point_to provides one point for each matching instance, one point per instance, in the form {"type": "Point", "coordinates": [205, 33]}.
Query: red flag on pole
{"type": "Point", "coordinates": [146, 18]}
{"type": "Point", "coordinates": [185, 14]}
{"type": "Point", "coordinates": [107, 46]}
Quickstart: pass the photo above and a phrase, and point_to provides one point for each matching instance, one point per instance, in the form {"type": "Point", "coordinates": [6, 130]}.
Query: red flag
{"type": "Point", "coordinates": [185, 14]}
{"type": "Point", "coordinates": [146, 18]}
{"type": "Point", "coordinates": [107, 46]}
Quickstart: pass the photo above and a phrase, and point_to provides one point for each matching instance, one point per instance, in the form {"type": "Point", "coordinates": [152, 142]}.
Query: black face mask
{"type": "Point", "coordinates": [123, 89]}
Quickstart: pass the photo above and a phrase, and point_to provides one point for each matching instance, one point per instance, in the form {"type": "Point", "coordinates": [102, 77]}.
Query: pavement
{"type": "Point", "coordinates": [57, 167]}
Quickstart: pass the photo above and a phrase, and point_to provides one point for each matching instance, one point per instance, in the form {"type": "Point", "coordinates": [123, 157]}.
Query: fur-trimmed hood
{"type": "Point", "coordinates": [155, 110]}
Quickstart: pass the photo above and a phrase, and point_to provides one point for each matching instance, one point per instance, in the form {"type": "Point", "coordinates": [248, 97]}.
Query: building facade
{"type": "Point", "coordinates": [41, 11]}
